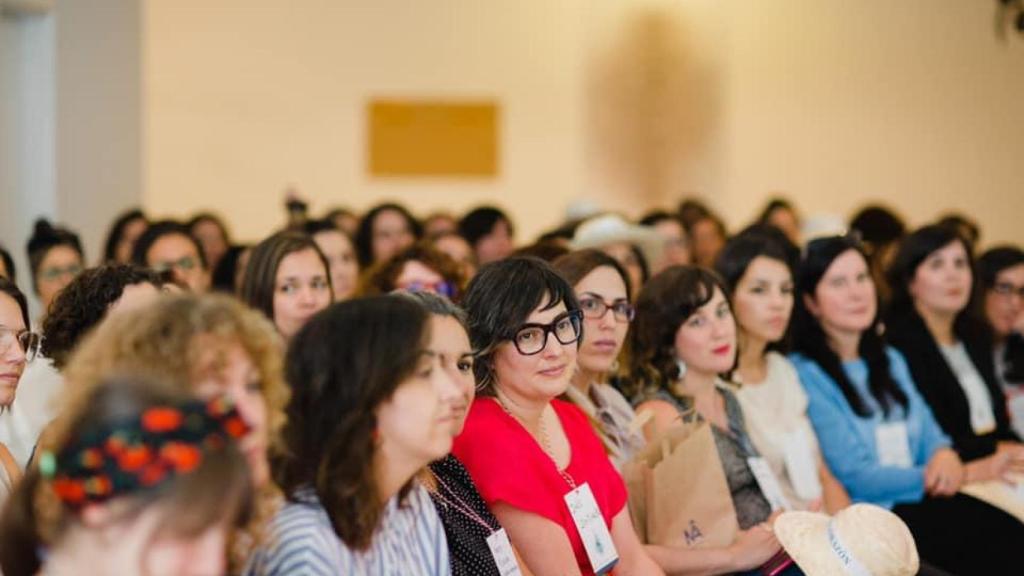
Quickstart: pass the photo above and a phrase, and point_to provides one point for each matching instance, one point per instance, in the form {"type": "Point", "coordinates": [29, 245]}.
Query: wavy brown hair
{"type": "Point", "coordinates": [666, 301]}
{"type": "Point", "coordinates": [344, 363]}
{"type": "Point", "coordinates": [182, 339]}
{"type": "Point", "coordinates": [381, 278]}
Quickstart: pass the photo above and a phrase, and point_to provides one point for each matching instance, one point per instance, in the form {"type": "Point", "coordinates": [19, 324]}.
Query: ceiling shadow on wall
{"type": "Point", "coordinates": [652, 107]}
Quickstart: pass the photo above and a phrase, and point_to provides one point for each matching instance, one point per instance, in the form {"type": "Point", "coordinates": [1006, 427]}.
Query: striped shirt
{"type": "Point", "coordinates": [409, 542]}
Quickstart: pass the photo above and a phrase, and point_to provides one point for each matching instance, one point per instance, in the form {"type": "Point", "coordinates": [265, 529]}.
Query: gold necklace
{"type": "Point", "coordinates": [545, 444]}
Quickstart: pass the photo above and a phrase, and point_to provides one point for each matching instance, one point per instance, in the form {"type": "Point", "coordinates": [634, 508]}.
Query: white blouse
{"type": "Point", "coordinates": [776, 415]}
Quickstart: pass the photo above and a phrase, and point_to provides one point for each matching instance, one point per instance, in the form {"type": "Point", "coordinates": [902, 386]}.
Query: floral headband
{"type": "Point", "coordinates": [141, 452]}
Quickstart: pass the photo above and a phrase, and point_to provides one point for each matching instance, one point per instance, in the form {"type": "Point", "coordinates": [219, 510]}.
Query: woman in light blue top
{"type": "Point", "coordinates": [876, 433]}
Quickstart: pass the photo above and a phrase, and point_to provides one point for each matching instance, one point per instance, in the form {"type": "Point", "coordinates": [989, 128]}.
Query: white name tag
{"type": "Point", "coordinates": [769, 484]}
{"type": "Point", "coordinates": [597, 541]}
{"type": "Point", "coordinates": [504, 556]}
{"type": "Point", "coordinates": [893, 445]}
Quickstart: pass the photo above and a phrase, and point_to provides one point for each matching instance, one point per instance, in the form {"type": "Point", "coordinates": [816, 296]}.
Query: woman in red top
{"type": "Point", "coordinates": [535, 459]}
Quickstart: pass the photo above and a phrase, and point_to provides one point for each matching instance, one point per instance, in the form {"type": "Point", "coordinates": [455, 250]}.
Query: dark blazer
{"type": "Point", "coordinates": [936, 381]}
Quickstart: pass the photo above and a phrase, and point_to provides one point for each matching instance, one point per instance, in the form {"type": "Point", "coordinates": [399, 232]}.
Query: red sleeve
{"type": "Point", "coordinates": [590, 462]}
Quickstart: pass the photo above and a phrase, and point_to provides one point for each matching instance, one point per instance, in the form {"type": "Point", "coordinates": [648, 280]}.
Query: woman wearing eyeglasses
{"type": "Point", "coordinates": [419, 268]}
{"type": "Point", "coordinates": [536, 461]}
{"type": "Point", "coordinates": [602, 287]}
{"type": "Point", "coordinates": [1001, 271]}
{"type": "Point", "coordinates": [17, 347]}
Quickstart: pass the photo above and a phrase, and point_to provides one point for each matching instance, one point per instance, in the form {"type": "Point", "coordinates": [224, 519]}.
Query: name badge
{"type": "Point", "coordinates": [768, 483]}
{"type": "Point", "coordinates": [893, 445]}
{"type": "Point", "coordinates": [504, 556]}
{"type": "Point", "coordinates": [802, 464]}
{"type": "Point", "coordinates": [597, 541]}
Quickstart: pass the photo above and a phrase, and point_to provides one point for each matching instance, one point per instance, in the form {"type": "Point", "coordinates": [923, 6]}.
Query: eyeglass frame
{"type": "Point", "coordinates": [1007, 290]}
{"type": "Point", "coordinates": [549, 329]}
{"type": "Point", "coordinates": [31, 350]}
{"type": "Point", "coordinates": [53, 273]}
{"type": "Point", "coordinates": [630, 312]}
{"type": "Point", "coordinates": [183, 264]}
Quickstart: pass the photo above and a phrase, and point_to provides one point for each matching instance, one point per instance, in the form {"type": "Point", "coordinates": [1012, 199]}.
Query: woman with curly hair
{"type": "Point", "coordinates": [371, 406]}
{"type": "Point", "coordinates": [209, 346]}
{"type": "Point", "coordinates": [419, 268]}
{"type": "Point", "coordinates": [78, 308]}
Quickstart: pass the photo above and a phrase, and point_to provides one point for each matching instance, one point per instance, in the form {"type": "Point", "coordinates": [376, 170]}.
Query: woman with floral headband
{"type": "Point", "coordinates": [208, 346]}
{"type": "Point", "coordinates": [140, 479]}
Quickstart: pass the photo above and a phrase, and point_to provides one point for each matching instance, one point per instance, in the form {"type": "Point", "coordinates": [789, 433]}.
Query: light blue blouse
{"type": "Point", "coordinates": [848, 440]}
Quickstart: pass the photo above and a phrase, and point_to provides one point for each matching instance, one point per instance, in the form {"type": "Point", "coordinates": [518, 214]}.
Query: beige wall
{"type": "Point", "coordinates": [629, 103]}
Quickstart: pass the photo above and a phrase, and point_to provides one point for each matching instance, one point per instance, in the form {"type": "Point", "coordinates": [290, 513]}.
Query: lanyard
{"type": "Point", "coordinates": [461, 505]}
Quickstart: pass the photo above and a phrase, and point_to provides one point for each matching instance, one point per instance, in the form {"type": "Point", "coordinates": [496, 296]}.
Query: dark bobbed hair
{"type": "Point", "coordinates": [995, 260]}
{"type": "Point", "coordinates": [260, 280]}
{"type": "Point", "coordinates": [116, 231]}
{"type": "Point", "coordinates": [663, 305]}
{"type": "Point", "coordinates": [84, 303]}
{"type": "Point", "coordinates": [45, 237]}
{"type": "Point", "coordinates": [690, 210]}
{"type": "Point", "coordinates": [364, 234]}
{"type": "Point", "coordinates": [500, 299]}
{"type": "Point", "coordinates": [382, 277]}
{"type": "Point", "coordinates": [341, 366]}
{"type": "Point", "coordinates": [912, 252]}
{"type": "Point", "coordinates": [11, 289]}
{"type": "Point", "coordinates": [219, 488]}
{"type": "Point", "coordinates": [762, 240]}
{"type": "Point", "coordinates": [480, 221]}
{"type": "Point", "coordinates": [575, 266]}
{"type": "Point", "coordinates": [223, 279]}
{"type": "Point", "coordinates": [809, 337]}
{"type": "Point", "coordinates": [877, 225]}
{"type": "Point", "coordinates": [158, 230]}
{"type": "Point", "coordinates": [316, 226]}
{"type": "Point", "coordinates": [12, 273]}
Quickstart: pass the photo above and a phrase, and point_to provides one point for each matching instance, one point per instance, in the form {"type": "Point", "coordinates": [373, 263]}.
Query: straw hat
{"type": "Point", "coordinates": [862, 540]}
{"type": "Point", "coordinates": [613, 229]}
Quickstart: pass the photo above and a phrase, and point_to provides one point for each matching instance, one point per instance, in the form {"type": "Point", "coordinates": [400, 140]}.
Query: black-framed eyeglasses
{"type": "Point", "coordinates": [530, 339]}
{"type": "Point", "coordinates": [28, 341]}
{"type": "Point", "coordinates": [184, 264]}
{"type": "Point", "coordinates": [595, 308]}
{"type": "Point", "coordinates": [1007, 289]}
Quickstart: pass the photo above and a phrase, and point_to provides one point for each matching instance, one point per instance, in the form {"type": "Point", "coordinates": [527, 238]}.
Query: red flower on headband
{"type": "Point", "coordinates": [235, 427]}
{"type": "Point", "coordinates": [99, 486]}
{"type": "Point", "coordinates": [152, 474]}
{"type": "Point", "coordinates": [183, 457]}
{"type": "Point", "coordinates": [134, 458]}
{"type": "Point", "coordinates": [161, 419]}
{"type": "Point", "coordinates": [69, 490]}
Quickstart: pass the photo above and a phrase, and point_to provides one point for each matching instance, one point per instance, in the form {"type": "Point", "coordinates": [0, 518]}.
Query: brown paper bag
{"type": "Point", "coordinates": [678, 494]}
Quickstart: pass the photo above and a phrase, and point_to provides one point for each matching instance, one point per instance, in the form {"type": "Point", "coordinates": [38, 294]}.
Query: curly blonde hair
{"type": "Point", "coordinates": [183, 339]}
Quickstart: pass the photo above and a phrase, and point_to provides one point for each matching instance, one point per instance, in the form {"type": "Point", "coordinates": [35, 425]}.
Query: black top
{"type": "Point", "coordinates": [467, 539]}
{"type": "Point", "coordinates": [938, 383]}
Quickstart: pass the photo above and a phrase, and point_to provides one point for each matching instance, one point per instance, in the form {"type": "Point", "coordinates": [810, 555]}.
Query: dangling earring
{"type": "Point", "coordinates": [615, 367]}
{"type": "Point", "coordinates": [681, 367]}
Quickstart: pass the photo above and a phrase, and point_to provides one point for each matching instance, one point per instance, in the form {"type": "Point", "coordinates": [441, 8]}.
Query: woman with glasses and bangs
{"type": "Point", "coordinates": [18, 346]}
{"type": "Point", "coordinates": [536, 461]}
{"type": "Point", "coordinates": [602, 287]}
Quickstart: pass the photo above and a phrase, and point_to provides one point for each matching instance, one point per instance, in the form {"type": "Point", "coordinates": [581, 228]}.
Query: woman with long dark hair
{"type": "Point", "coordinates": [949, 351]}
{"type": "Point", "coordinates": [371, 406]}
{"type": "Point", "coordinates": [1001, 272]}
{"type": "Point", "coordinates": [877, 434]}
